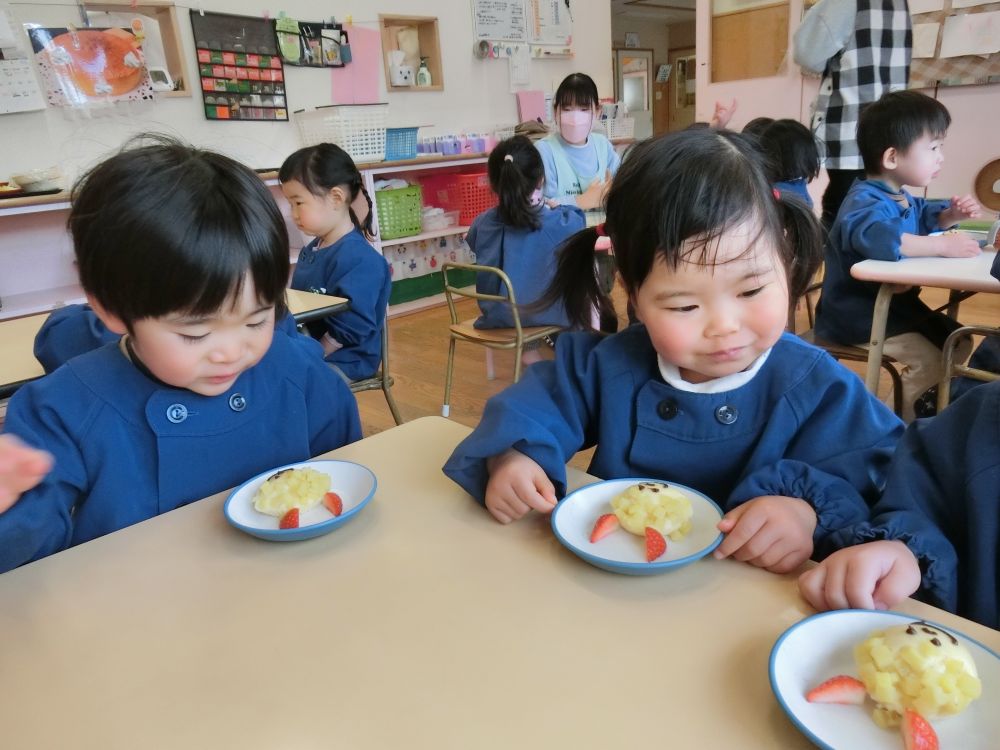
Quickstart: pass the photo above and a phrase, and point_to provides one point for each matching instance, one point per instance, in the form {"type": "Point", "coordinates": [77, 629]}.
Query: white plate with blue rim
{"type": "Point", "coordinates": [354, 483]}
{"type": "Point", "coordinates": [822, 646]}
{"type": "Point", "coordinates": [621, 552]}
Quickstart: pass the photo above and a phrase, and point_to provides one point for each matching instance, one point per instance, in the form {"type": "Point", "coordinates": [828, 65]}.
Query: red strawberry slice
{"type": "Point", "coordinates": [333, 503]}
{"type": "Point", "coordinates": [290, 520]}
{"type": "Point", "coordinates": [840, 689]}
{"type": "Point", "coordinates": [918, 734]}
{"type": "Point", "coordinates": [656, 545]}
{"type": "Point", "coordinates": [604, 526]}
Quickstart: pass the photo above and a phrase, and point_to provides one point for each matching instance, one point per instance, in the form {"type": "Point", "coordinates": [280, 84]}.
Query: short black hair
{"type": "Point", "coordinates": [791, 149]}
{"type": "Point", "coordinates": [576, 90]}
{"type": "Point", "coordinates": [516, 171]}
{"type": "Point", "coordinates": [321, 168]}
{"type": "Point", "coordinates": [757, 126]}
{"type": "Point", "coordinates": [162, 227]}
{"type": "Point", "coordinates": [896, 120]}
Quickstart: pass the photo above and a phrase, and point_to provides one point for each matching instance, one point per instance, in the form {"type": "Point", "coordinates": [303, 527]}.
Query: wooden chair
{"type": "Point", "coordinates": [952, 368]}
{"type": "Point", "coordinates": [381, 380]}
{"type": "Point", "coordinates": [846, 351]}
{"type": "Point", "coordinates": [492, 338]}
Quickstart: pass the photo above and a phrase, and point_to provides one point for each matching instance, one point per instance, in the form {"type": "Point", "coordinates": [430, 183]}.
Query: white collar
{"type": "Point", "coordinates": [673, 377]}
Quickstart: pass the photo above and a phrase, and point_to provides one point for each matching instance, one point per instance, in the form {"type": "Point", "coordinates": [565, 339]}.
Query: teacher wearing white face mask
{"type": "Point", "coordinates": [578, 163]}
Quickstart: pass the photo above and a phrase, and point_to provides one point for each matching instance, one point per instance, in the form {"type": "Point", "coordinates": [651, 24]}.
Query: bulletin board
{"type": "Point", "coordinates": [240, 71]}
{"type": "Point", "coordinates": [943, 27]}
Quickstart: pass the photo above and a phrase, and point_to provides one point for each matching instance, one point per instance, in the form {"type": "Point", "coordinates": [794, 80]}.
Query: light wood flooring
{"type": "Point", "coordinates": [419, 354]}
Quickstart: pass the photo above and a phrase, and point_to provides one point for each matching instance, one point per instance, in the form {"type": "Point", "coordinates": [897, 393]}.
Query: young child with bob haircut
{"type": "Point", "coordinates": [322, 184]}
{"type": "Point", "coordinates": [900, 137]}
{"type": "Point", "coordinates": [708, 391]}
{"type": "Point", "coordinates": [521, 236]}
{"type": "Point", "coordinates": [793, 157]}
{"type": "Point", "coordinates": [184, 254]}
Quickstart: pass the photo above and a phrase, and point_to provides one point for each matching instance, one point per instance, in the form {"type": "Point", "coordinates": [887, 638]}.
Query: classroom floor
{"type": "Point", "coordinates": [418, 352]}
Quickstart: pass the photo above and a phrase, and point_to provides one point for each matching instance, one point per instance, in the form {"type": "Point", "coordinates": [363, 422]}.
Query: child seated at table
{"type": "Point", "coordinates": [936, 530]}
{"type": "Point", "coordinates": [708, 391]}
{"type": "Point", "coordinates": [321, 183]}
{"type": "Point", "coordinates": [900, 138]}
{"type": "Point", "coordinates": [521, 236]}
{"type": "Point", "coordinates": [793, 157]}
{"type": "Point", "coordinates": [182, 253]}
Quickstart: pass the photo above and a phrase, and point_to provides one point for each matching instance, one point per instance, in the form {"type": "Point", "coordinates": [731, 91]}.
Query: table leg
{"type": "Point", "coordinates": [879, 318]}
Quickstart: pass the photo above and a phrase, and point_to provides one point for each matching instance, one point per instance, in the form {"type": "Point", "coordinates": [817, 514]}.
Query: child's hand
{"type": "Point", "coordinates": [722, 115]}
{"type": "Point", "coordinates": [772, 532]}
{"type": "Point", "coordinates": [876, 575]}
{"type": "Point", "coordinates": [517, 484]}
{"type": "Point", "coordinates": [957, 245]}
{"type": "Point", "coordinates": [21, 468]}
{"type": "Point", "coordinates": [964, 207]}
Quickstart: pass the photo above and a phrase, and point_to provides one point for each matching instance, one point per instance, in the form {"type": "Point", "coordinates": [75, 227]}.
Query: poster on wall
{"type": "Point", "coordinates": [955, 43]}
{"type": "Point", "coordinates": [550, 22]}
{"type": "Point", "coordinates": [85, 67]}
{"type": "Point", "coordinates": [19, 90]}
{"type": "Point", "coordinates": [499, 20]}
{"type": "Point", "coordinates": [241, 73]}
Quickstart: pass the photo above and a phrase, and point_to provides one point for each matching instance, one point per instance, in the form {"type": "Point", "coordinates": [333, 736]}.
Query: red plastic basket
{"type": "Point", "coordinates": [474, 195]}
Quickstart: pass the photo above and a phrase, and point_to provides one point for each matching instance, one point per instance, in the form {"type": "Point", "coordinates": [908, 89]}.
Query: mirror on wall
{"type": "Point", "coordinates": [634, 86]}
{"type": "Point", "coordinates": [749, 38]}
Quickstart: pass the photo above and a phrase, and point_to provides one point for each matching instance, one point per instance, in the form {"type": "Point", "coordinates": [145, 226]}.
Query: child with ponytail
{"type": "Point", "coordinates": [321, 184]}
{"type": "Point", "coordinates": [708, 391]}
{"type": "Point", "coordinates": [521, 236]}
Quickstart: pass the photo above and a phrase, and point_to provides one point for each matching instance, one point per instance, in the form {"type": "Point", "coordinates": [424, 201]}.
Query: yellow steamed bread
{"type": "Point", "coordinates": [291, 488]}
{"type": "Point", "coordinates": [654, 504]}
{"type": "Point", "coordinates": [916, 666]}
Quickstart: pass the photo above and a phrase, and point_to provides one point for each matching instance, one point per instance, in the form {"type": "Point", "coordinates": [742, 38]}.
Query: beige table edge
{"type": "Point", "coordinates": [420, 624]}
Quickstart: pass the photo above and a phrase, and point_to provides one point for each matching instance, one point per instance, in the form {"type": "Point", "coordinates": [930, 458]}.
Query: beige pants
{"type": "Point", "coordinates": [921, 365]}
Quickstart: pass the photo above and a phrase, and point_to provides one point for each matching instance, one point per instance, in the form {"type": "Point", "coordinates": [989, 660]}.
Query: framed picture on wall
{"type": "Point", "coordinates": [632, 39]}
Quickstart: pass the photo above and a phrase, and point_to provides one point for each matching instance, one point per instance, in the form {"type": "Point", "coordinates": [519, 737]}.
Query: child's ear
{"type": "Point", "coordinates": [113, 322]}
{"type": "Point", "coordinates": [890, 158]}
{"type": "Point", "coordinates": [338, 195]}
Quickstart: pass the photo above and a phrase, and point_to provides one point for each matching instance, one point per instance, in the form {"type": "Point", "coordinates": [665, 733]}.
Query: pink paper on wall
{"type": "Point", "coordinates": [357, 82]}
{"type": "Point", "coordinates": [531, 105]}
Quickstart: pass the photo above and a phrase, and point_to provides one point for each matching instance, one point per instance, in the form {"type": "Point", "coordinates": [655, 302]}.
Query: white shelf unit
{"type": "Point", "coordinates": [446, 232]}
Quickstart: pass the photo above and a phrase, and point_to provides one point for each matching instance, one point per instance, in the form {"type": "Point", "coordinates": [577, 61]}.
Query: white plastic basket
{"type": "Point", "coordinates": [359, 129]}
{"type": "Point", "coordinates": [620, 127]}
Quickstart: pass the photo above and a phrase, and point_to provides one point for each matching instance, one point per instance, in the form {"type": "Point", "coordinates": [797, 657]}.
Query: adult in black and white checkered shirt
{"type": "Point", "coordinates": [862, 49]}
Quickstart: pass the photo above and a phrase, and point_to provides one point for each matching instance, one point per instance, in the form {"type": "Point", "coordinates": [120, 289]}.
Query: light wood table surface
{"type": "Point", "coordinates": [955, 274]}
{"type": "Point", "coordinates": [422, 623]}
{"type": "Point", "coordinates": [17, 335]}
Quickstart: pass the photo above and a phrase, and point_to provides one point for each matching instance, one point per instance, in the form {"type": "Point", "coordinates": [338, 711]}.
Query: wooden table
{"type": "Point", "coordinates": [17, 336]}
{"type": "Point", "coordinates": [420, 624]}
{"type": "Point", "coordinates": [956, 274]}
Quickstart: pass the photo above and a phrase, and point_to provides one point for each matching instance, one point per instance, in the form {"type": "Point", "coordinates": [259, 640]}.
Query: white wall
{"type": "Point", "coordinates": [476, 94]}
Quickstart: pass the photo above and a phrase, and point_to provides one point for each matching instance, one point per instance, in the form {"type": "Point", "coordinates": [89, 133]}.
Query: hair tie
{"type": "Point", "coordinates": [777, 194]}
{"type": "Point", "coordinates": [601, 230]}
{"type": "Point", "coordinates": [509, 158]}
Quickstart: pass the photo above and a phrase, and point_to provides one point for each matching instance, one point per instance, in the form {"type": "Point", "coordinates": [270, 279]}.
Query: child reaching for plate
{"type": "Point", "coordinates": [184, 254]}
{"type": "Point", "coordinates": [708, 391]}
{"type": "Point", "coordinates": [321, 183]}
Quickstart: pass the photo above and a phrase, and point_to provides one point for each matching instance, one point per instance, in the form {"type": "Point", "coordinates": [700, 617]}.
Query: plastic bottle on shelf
{"type": "Point", "coordinates": [424, 74]}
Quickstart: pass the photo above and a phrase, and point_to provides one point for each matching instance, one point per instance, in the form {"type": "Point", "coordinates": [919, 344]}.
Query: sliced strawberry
{"type": "Point", "coordinates": [333, 503]}
{"type": "Point", "coordinates": [918, 734]}
{"type": "Point", "coordinates": [656, 545]}
{"type": "Point", "coordinates": [604, 526]}
{"type": "Point", "coordinates": [290, 520]}
{"type": "Point", "coordinates": [839, 689]}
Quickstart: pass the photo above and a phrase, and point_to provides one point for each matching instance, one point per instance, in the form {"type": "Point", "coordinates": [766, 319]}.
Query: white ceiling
{"type": "Point", "coordinates": [664, 11]}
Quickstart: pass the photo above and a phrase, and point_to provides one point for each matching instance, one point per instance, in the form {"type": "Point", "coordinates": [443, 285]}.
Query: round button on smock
{"type": "Point", "coordinates": [177, 413]}
{"type": "Point", "coordinates": [237, 402]}
{"type": "Point", "coordinates": [667, 408]}
{"type": "Point", "coordinates": [727, 414]}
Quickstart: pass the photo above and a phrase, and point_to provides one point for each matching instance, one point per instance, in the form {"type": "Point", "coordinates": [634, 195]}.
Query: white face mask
{"type": "Point", "coordinates": [536, 198]}
{"type": "Point", "coordinates": [574, 125]}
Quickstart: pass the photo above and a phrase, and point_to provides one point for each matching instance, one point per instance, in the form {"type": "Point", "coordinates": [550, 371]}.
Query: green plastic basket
{"type": "Point", "coordinates": [399, 212]}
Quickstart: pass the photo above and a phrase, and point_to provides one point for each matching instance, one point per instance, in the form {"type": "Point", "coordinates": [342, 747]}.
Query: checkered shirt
{"type": "Point", "coordinates": [875, 60]}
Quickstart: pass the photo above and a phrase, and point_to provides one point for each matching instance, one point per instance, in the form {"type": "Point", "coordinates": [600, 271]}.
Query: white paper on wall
{"type": "Point", "coordinates": [925, 6]}
{"type": "Point", "coordinates": [971, 34]}
{"type": "Point", "coordinates": [925, 39]}
{"type": "Point", "coordinates": [969, 3]}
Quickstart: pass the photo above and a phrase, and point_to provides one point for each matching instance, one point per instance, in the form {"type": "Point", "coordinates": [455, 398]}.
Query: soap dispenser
{"type": "Point", "coordinates": [423, 73]}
